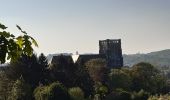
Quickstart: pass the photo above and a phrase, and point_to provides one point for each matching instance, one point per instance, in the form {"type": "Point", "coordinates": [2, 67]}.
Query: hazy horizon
{"type": "Point", "coordinates": [62, 26]}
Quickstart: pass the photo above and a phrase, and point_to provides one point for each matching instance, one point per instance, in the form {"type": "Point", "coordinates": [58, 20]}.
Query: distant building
{"type": "Point", "coordinates": [57, 58]}
{"type": "Point", "coordinates": [110, 50]}
{"type": "Point", "coordinates": [83, 58]}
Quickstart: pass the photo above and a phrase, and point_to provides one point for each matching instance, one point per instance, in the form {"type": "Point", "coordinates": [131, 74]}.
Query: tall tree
{"type": "Point", "coordinates": [28, 68]}
{"type": "Point", "coordinates": [43, 62]}
{"type": "Point", "coordinates": [83, 80]}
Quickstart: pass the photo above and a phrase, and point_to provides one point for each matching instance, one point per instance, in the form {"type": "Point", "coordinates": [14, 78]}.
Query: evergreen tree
{"type": "Point", "coordinates": [28, 68]}
{"type": "Point", "coordinates": [83, 80]}
{"type": "Point", "coordinates": [43, 62]}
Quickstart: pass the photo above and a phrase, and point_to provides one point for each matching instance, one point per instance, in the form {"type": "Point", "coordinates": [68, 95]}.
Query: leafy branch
{"type": "Point", "coordinates": [12, 47]}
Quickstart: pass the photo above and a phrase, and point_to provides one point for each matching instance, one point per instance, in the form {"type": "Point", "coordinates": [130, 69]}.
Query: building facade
{"type": "Point", "coordinates": [109, 49]}
{"type": "Point", "coordinates": [112, 51]}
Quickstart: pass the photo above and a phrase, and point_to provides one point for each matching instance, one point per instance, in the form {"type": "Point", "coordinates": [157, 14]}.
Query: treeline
{"type": "Point", "coordinates": [32, 78]}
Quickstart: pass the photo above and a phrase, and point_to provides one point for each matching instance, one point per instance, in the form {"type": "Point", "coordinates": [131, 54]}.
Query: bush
{"type": "Point", "coordinates": [76, 93]}
{"type": "Point", "coordinates": [141, 95]}
{"type": "Point", "coordinates": [100, 90]}
{"type": "Point", "coordinates": [161, 97]}
{"type": "Point", "coordinates": [5, 85]}
{"type": "Point", "coordinates": [55, 91]}
{"type": "Point", "coordinates": [119, 94]}
{"type": "Point", "coordinates": [20, 91]}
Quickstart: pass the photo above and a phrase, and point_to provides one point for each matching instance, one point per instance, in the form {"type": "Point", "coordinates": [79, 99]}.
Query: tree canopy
{"type": "Point", "coordinates": [146, 76]}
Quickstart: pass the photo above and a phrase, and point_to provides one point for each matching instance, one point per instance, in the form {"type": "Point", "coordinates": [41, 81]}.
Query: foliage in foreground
{"type": "Point", "coordinates": [12, 47]}
{"type": "Point", "coordinates": [76, 93]}
{"type": "Point", "coordinates": [161, 97]}
{"type": "Point", "coordinates": [20, 91]}
{"type": "Point", "coordinates": [54, 91]}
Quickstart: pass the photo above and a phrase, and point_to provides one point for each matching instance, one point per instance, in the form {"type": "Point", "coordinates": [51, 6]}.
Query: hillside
{"type": "Point", "coordinates": [160, 58]}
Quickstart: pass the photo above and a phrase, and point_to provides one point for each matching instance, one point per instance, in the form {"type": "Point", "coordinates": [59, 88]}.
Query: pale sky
{"type": "Point", "coordinates": [77, 25]}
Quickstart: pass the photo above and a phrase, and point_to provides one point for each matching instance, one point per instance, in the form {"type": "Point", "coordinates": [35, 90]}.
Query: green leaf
{"type": "Point", "coordinates": [3, 26]}
{"type": "Point", "coordinates": [11, 47]}
{"type": "Point", "coordinates": [20, 41]}
{"type": "Point", "coordinates": [34, 42]}
{"type": "Point", "coordinates": [5, 34]}
{"type": "Point", "coordinates": [27, 46]}
{"type": "Point", "coordinates": [21, 29]}
{"type": "Point", "coordinates": [12, 36]}
{"type": "Point", "coordinates": [3, 49]}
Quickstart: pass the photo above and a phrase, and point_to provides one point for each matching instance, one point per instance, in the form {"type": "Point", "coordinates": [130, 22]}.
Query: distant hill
{"type": "Point", "coordinates": [159, 58]}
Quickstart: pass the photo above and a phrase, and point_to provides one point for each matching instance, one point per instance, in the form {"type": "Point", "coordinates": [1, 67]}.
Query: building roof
{"type": "Point", "coordinates": [55, 59]}
{"type": "Point", "coordinates": [86, 57]}
{"type": "Point", "coordinates": [83, 58]}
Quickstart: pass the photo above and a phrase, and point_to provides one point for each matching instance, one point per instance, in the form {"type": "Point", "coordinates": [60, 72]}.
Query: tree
{"type": "Point", "coordinates": [27, 67]}
{"type": "Point", "coordinates": [43, 62]}
{"type": "Point", "coordinates": [146, 76]}
{"type": "Point", "coordinates": [97, 70]}
{"type": "Point", "coordinates": [12, 47]}
{"type": "Point", "coordinates": [5, 86]}
{"type": "Point", "coordinates": [120, 78]}
{"type": "Point", "coordinates": [54, 91]}
{"type": "Point", "coordinates": [20, 90]}
{"type": "Point", "coordinates": [70, 75]}
{"type": "Point", "coordinates": [83, 80]}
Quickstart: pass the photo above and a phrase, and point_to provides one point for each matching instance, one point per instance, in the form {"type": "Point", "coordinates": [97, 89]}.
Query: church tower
{"type": "Point", "coordinates": [112, 51]}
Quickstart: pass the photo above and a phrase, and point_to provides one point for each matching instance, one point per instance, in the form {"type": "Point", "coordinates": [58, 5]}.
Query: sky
{"type": "Point", "coordinates": [67, 26]}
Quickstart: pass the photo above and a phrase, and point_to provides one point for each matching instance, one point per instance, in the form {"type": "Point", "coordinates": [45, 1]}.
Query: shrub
{"type": "Point", "coordinates": [55, 91]}
{"type": "Point", "coordinates": [76, 93]}
{"type": "Point", "coordinates": [161, 97]}
{"type": "Point", "coordinates": [119, 94]}
{"type": "Point", "coordinates": [20, 91]}
{"type": "Point", "coordinates": [100, 90]}
{"type": "Point", "coordinates": [141, 95]}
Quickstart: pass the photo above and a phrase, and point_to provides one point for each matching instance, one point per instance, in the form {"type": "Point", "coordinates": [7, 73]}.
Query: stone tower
{"type": "Point", "coordinates": [112, 51]}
